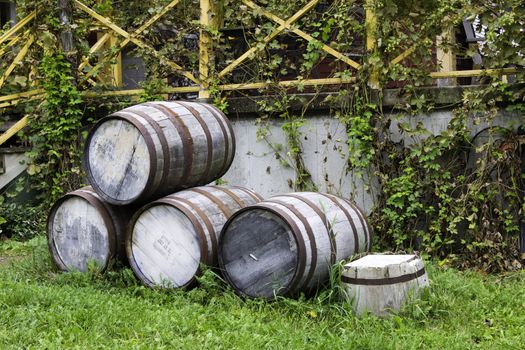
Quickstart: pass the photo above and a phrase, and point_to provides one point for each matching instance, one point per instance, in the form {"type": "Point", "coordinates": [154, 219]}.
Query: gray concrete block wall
{"type": "Point", "coordinates": [325, 153]}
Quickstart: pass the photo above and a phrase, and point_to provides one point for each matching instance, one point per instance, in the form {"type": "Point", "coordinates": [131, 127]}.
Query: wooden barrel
{"type": "Point", "coordinates": [82, 228]}
{"type": "Point", "coordinates": [169, 238]}
{"type": "Point", "coordinates": [152, 149]}
{"type": "Point", "coordinates": [381, 284]}
{"type": "Point", "coordinates": [289, 242]}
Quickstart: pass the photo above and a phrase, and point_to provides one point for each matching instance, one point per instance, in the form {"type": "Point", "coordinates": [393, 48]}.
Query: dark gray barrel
{"type": "Point", "coordinates": [288, 243]}
{"type": "Point", "coordinates": [169, 238]}
{"type": "Point", "coordinates": [152, 149]}
{"type": "Point", "coordinates": [83, 228]}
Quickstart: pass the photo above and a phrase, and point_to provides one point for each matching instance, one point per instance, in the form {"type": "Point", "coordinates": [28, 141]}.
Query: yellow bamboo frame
{"type": "Point", "coordinates": [18, 58]}
{"type": "Point", "coordinates": [19, 125]}
{"type": "Point", "coordinates": [204, 49]}
{"type": "Point", "coordinates": [131, 38]}
{"type": "Point", "coordinates": [371, 33]}
{"type": "Point", "coordinates": [18, 26]}
{"type": "Point", "coordinates": [13, 42]}
{"type": "Point", "coordinates": [106, 37]}
{"type": "Point", "coordinates": [474, 73]}
{"type": "Point", "coordinates": [252, 51]}
{"type": "Point", "coordinates": [96, 47]}
{"type": "Point", "coordinates": [403, 55]}
{"type": "Point", "coordinates": [302, 34]}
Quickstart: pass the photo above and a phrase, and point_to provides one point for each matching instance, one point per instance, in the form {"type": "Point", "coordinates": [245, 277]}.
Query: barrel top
{"type": "Point", "coordinates": [118, 159]}
{"type": "Point", "coordinates": [78, 234]}
{"type": "Point", "coordinates": [381, 260]}
{"type": "Point", "coordinates": [164, 248]}
{"type": "Point", "coordinates": [380, 270]}
{"type": "Point", "coordinates": [258, 253]}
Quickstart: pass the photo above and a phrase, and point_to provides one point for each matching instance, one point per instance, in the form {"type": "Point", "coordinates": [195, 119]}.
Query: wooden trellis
{"type": "Point", "coordinates": [118, 38]}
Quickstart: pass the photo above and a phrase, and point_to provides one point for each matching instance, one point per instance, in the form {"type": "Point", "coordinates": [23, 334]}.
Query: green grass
{"type": "Point", "coordinates": [43, 309]}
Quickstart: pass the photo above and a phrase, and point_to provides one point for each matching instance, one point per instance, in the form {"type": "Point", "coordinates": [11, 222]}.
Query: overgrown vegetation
{"type": "Point", "coordinates": [45, 309]}
{"type": "Point", "coordinates": [454, 195]}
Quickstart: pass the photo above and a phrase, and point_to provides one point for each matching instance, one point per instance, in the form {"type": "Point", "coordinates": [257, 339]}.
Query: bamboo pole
{"type": "Point", "coordinates": [288, 83]}
{"type": "Point", "coordinates": [251, 52]}
{"type": "Point", "coordinates": [474, 73]}
{"type": "Point", "coordinates": [404, 55]}
{"type": "Point", "coordinates": [227, 87]}
{"type": "Point", "coordinates": [13, 42]}
{"type": "Point", "coordinates": [21, 95]}
{"type": "Point", "coordinates": [130, 38]}
{"type": "Point", "coordinates": [371, 32]}
{"type": "Point", "coordinates": [116, 69]}
{"type": "Point", "coordinates": [19, 125]}
{"type": "Point", "coordinates": [18, 58]}
{"type": "Point", "coordinates": [205, 49]}
{"type": "Point", "coordinates": [303, 35]}
{"type": "Point", "coordinates": [17, 27]}
{"type": "Point", "coordinates": [446, 58]}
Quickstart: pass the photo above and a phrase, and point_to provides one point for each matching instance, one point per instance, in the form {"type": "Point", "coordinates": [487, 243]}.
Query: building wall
{"type": "Point", "coordinates": [325, 153]}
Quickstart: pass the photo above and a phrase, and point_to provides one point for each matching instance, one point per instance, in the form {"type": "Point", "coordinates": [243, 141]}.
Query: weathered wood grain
{"type": "Point", "coordinates": [289, 242]}
{"type": "Point", "coordinates": [82, 229]}
{"type": "Point", "coordinates": [171, 237]}
{"type": "Point", "coordinates": [380, 283]}
{"type": "Point", "coordinates": [259, 253]}
{"type": "Point", "coordinates": [152, 149]}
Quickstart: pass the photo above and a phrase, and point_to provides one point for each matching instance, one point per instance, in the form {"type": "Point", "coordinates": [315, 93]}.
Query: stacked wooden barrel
{"type": "Point", "coordinates": [171, 237]}
{"type": "Point", "coordinates": [147, 165]}
{"type": "Point", "coordinates": [138, 155]}
{"type": "Point", "coordinates": [82, 228]}
{"type": "Point", "coordinates": [288, 243]}
{"type": "Point", "coordinates": [153, 149]}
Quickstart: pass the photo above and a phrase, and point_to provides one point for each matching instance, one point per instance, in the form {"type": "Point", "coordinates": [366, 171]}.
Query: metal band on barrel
{"type": "Point", "coordinates": [384, 281]}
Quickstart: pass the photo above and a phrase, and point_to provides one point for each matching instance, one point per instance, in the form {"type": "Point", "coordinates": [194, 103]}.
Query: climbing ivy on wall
{"type": "Point", "coordinates": [448, 195]}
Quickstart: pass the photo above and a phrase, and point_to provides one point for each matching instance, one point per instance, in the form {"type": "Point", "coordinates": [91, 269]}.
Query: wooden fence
{"type": "Point", "coordinates": [20, 38]}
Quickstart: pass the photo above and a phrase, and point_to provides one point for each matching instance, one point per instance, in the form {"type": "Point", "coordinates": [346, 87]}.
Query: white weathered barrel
{"type": "Point", "coordinates": [171, 237]}
{"type": "Point", "coordinates": [83, 228]}
{"type": "Point", "coordinates": [380, 283]}
{"type": "Point", "coordinates": [152, 149]}
{"type": "Point", "coordinates": [288, 243]}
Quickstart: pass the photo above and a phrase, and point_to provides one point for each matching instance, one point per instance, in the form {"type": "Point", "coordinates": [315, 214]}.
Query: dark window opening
{"type": "Point", "coordinates": [5, 13]}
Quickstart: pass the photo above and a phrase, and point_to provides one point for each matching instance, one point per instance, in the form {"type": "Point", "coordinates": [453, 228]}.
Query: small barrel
{"type": "Point", "coordinates": [381, 283]}
{"type": "Point", "coordinates": [171, 237]}
{"type": "Point", "coordinates": [288, 243]}
{"type": "Point", "coordinates": [152, 149]}
{"type": "Point", "coordinates": [83, 228]}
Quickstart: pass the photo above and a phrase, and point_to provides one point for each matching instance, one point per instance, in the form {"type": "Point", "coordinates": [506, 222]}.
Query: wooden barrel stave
{"type": "Point", "coordinates": [167, 248]}
{"type": "Point", "coordinates": [81, 227]}
{"type": "Point", "coordinates": [270, 231]}
{"type": "Point", "coordinates": [326, 229]}
{"type": "Point", "coordinates": [152, 149]}
{"type": "Point", "coordinates": [176, 164]}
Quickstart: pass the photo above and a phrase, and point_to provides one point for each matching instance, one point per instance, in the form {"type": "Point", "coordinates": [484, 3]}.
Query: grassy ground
{"type": "Point", "coordinates": [41, 308]}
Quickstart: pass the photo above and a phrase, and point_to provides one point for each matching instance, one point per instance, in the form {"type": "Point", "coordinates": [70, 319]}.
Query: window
{"type": "Point", "coordinates": [6, 12]}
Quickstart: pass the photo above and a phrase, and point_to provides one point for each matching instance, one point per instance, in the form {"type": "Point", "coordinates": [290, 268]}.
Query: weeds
{"type": "Point", "coordinates": [43, 308]}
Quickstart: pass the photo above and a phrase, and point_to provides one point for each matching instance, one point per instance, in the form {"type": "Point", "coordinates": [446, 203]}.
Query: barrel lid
{"type": "Point", "coordinates": [118, 159]}
{"type": "Point", "coordinates": [381, 260]}
{"type": "Point", "coordinates": [164, 248]}
{"type": "Point", "coordinates": [258, 253]}
{"type": "Point", "coordinates": [79, 233]}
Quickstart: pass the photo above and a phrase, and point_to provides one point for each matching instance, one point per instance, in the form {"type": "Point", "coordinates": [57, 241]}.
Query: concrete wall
{"type": "Point", "coordinates": [325, 153]}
